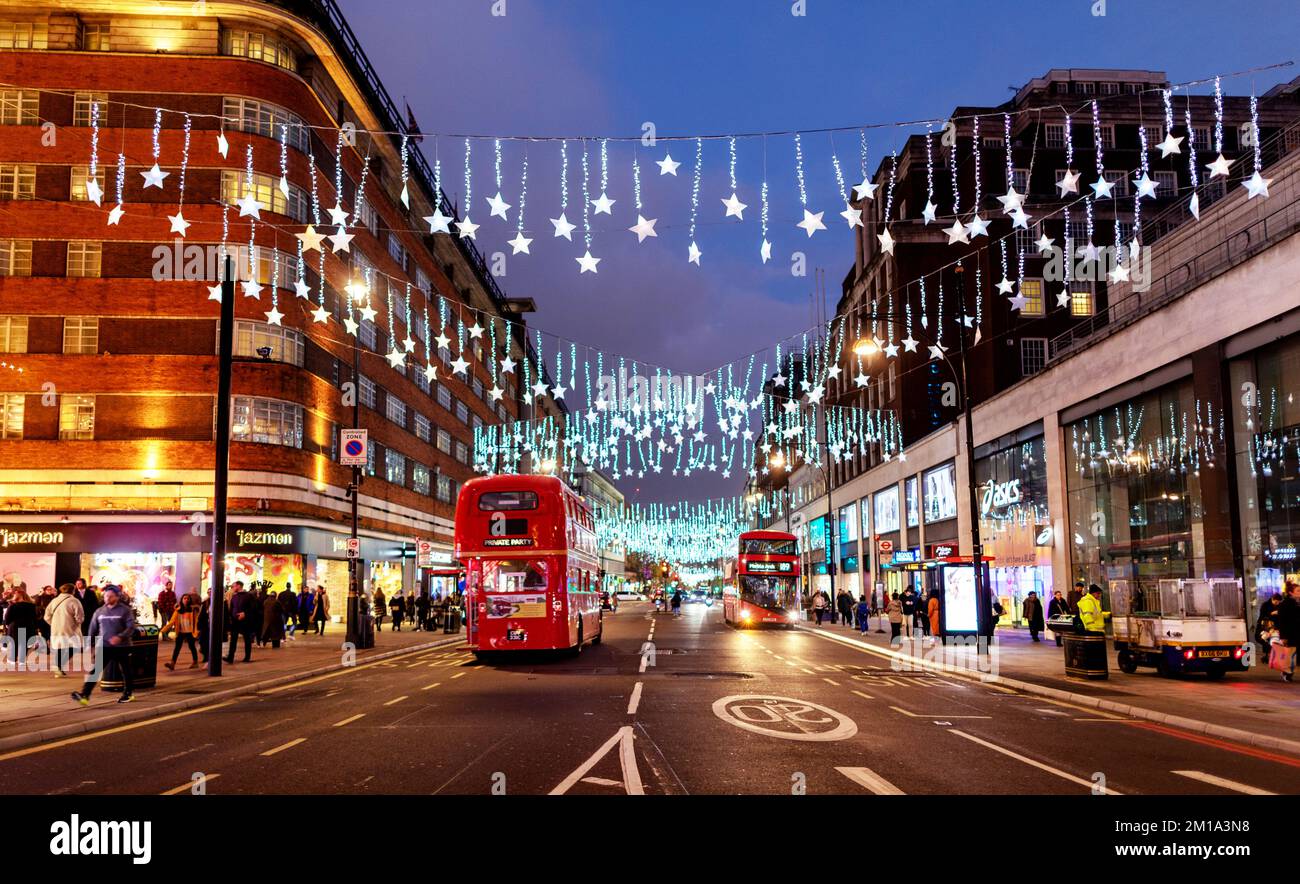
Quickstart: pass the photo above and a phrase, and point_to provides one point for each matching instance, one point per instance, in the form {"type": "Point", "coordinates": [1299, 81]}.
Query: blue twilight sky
{"type": "Point", "coordinates": [709, 67]}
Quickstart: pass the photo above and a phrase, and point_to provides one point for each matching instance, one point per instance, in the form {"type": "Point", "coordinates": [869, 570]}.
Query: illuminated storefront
{"type": "Point", "coordinates": [1015, 525]}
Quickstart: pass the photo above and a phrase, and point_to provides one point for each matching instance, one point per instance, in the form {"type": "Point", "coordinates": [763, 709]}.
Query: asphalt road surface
{"type": "Point", "coordinates": [714, 710]}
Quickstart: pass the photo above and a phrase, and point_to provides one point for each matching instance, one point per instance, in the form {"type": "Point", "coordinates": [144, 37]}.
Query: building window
{"type": "Point", "coordinates": [1109, 88]}
{"type": "Point", "coordinates": [1107, 135]}
{"type": "Point", "coordinates": [1020, 180]}
{"type": "Point", "coordinates": [84, 259]}
{"type": "Point", "coordinates": [1155, 134]}
{"type": "Point", "coordinates": [397, 251]}
{"type": "Point", "coordinates": [1166, 184]}
{"type": "Point", "coordinates": [462, 412]}
{"type": "Point", "coordinates": [368, 335]}
{"type": "Point", "coordinates": [13, 334]}
{"type": "Point", "coordinates": [1120, 180]}
{"type": "Point", "coordinates": [269, 421]}
{"type": "Point", "coordinates": [367, 392]}
{"type": "Point", "coordinates": [19, 107]}
{"type": "Point", "coordinates": [11, 415]}
{"type": "Point", "coordinates": [367, 216]}
{"type": "Point", "coordinates": [1033, 355]}
{"type": "Point", "coordinates": [1086, 88]}
{"type": "Point", "coordinates": [444, 396]}
{"type": "Point", "coordinates": [421, 379]}
{"type": "Point", "coordinates": [15, 257]}
{"type": "Point", "coordinates": [395, 409]}
{"type": "Point", "coordinates": [76, 416]}
{"type": "Point", "coordinates": [1201, 137]}
{"type": "Point", "coordinates": [1054, 135]}
{"type": "Point", "coordinates": [96, 37]}
{"type": "Point", "coordinates": [444, 488]}
{"type": "Point", "coordinates": [1077, 232]}
{"type": "Point", "coordinates": [17, 181]}
{"type": "Point", "coordinates": [82, 102]}
{"type": "Point", "coordinates": [462, 452]}
{"type": "Point", "coordinates": [259, 46]}
{"type": "Point", "coordinates": [24, 35]}
{"type": "Point", "coordinates": [81, 175]}
{"type": "Point", "coordinates": [444, 441]}
{"type": "Point", "coordinates": [279, 344]}
{"type": "Point", "coordinates": [420, 478]}
{"type": "Point", "coordinates": [1032, 291]}
{"type": "Point", "coordinates": [423, 283]}
{"type": "Point", "coordinates": [477, 386]}
{"type": "Point", "coordinates": [266, 190]}
{"type": "Point", "coordinates": [267, 120]}
{"type": "Point", "coordinates": [81, 334]}
{"type": "Point", "coordinates": [423, 428]}
{"type": "Point", "coordinates": [395, 467]}
{"type": "Point", "coordinates": [1081, 303]}
{"type": "Point", "coordinates": [1025, 239]}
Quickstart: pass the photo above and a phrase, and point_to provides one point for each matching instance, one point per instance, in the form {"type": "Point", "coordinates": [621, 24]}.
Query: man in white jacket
{"type": "Point", "coordinates": [65, 616]}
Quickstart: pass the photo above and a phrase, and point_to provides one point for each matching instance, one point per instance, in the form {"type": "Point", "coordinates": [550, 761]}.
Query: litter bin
{"type": "Point", "coordinates": [144, 662]}
{"type": "Point", "coordinates": [453, 620]}
{"type": "Point", "coordinates": [1085, 655]}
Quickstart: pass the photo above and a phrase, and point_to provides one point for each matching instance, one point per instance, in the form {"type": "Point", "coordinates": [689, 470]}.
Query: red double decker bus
{"type": "Point", "coordinates": [766, 587]}
{"type": "Point", "coordinates": [528, 544]}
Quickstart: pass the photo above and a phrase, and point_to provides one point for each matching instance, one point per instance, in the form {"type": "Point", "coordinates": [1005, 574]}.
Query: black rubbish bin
{"type": "Point", "coordinates": [144, 662]}
{"type": "Point", "coordinates": [1086, 655]}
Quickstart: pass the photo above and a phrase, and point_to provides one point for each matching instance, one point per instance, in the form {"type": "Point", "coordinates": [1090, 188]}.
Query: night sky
{"type": "Point", "coordinates": [599, 68]}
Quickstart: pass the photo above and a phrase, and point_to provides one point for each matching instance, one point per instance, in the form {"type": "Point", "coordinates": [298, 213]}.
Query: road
{"type": "Point", "coordinates": [714, 711]}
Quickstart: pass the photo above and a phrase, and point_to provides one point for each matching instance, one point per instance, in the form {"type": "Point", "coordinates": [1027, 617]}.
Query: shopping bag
{"type": "Point", "coordinates": [1280, 657]}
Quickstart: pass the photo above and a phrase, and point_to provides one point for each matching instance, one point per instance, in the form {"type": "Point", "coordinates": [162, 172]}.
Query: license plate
{"type": "Point", "coordinates": [1213, 653]}
{"type": "Point", "coordinates": [516, 635]}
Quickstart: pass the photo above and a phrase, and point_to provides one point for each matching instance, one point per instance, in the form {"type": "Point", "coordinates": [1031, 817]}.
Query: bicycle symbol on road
{"type": "Point", "coordinates": [784, 717]}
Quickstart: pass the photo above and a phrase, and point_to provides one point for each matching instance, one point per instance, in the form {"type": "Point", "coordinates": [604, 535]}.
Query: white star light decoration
{"type": "Point", "coordinates": [498, 206]}
{"type": "Point", "coordinates": [154, 177]}
{"type": "Point", "coordinates": [735, 208]}
{"type": "Point", "coordinates": [563, 227]}
{"type": "Point", "coordinates": [667, 166]}
{"type": "Point", "coordinates": [812, 222]}
{"type": "Point", "coordinates": [438, 222]}
{"type": "Point", "coordinates": [643, 228]}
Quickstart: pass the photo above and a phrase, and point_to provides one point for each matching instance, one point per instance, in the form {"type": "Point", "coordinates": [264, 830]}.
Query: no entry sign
{"type": "Point", "coordinates": [353, 445]}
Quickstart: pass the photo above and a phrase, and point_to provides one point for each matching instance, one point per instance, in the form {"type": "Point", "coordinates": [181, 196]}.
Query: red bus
{"type": "Point", "coordinates": [528, 544]}
{"type": "Point", "coordinates": [766, 588]}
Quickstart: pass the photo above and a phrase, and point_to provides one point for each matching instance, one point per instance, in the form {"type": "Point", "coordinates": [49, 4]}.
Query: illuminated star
{"type": "Point", "coordinates": [459, 365]}
{"type": "Point", "coordinates": [1020, 218]}
{"type": "Point", "coordinates": [928, 212]}
{"type": "Point", "coordinates": [1005, 287]}
{"type": "Point", "coordinates": [498, 206]}
{"type": "Point", "coordinates": [1101, 188]}
{"type": "Point", "coordinates": [94, 192]}
{"type": "Point", "coordinates": [430, 372]}
{"type": "Point", "coordinates": [886, 242]}
{"type": "Point", "coordinates": [852, 216]}
{"type": "Point", "coordinates": [1219, 166]}
{"type": "Point", "coordinates": [735, 208]}
{"type": "Point", "coordinates": [1063, 298]}
{"type": "Point", "coordinates": [301, 289]}
{"type": "Point", "coordinates": [1194, 206]}
{"type": "Point", "coordinates": [909, 344]}
{"type": "Point", "coordinates": [936, 351]}
{"type": "Point", "coordinates": [214, 292]}
{"type": "Point", "coordinates": [1256, 185]}
{"type": "Point", "coordinates": [396, 358]}
{"type": "Point", "coordinates": [765, 251]}
{"type": "Point", "coordinates": [956, 233]}
{"type": "Point", "coordinates": [249, 205]}
{"type": "Point", "coordinates": [178, 223]}
{"type": "Point", "coordinates": [603, 204]}
{"type": "Point", "coordinates": [520, 244]}
{"type": "Point", "coordinates": [1012, 201]}
{"type": "Point", "coordinates": [563, 227]}
{"type": "Point", "coordinates": [222, 144]}
{"type": "Point", "coordinates": [338, 217]}
{"type": "Point", "coordinates": [154, 176]}
{"type": "Point", "coordinates": [865, 191]}
{"type": "Point", "coordinates": [475, 331]}
{"type": "Point", "coordinates": [1169, 145]}
{"type": "Point", "coordinates": [320, 314]}
{"type": "Point", "coordinates": [251, 288]}
{"type": "Point", "coordinates": [891, 350]}
{"type": "Point", "coordinates": [273, 316]}
{"type": "Point", "coordinates": [351, 325]}
{"type": "Point", "coordinates": [495, 393]}
{"type": "Point", "coordinates": [368, 313]}
{"type": "Point", "coordinates": [1045, 245]}
{"type": "Point", "coordinates": [438, 222]}
{"type": "Point", "coordinates": [812, 222]}
{"type": "Point", "coordinates": [466, 228]}
{"type": "Point", "coordinates": [644, 227]}
{"type": "Point", "coordinates": [1069, 182]}
{"type": "Point", "coordinates": [587, 263]}
{"type": "Point", "coordinates": [977, 227]}
{"type": "Point", "coordinates": [693, 254]}
{"type": "Point", "coordinates": [1145, 186]}
{"type": "Point", "coordinates": [340, 240]}
{"type": "Point", "coordinates": [115, 214]}
{"type": "Point", "coordinates": [310, 239]}
{"type": "Point", "coordinates": [667, 166]}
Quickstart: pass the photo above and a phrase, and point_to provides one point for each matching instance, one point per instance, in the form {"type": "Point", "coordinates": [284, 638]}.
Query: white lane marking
{"type": "Point", "coordinates": [1231, 785]}
{"type": "Point", "coordinates": [349, 720]}
{"type": "Point", "coordinates": [862, 695]}
{"type": "Point", "coordinates": [870, 780]}
{"type": "Point", "coordinates": [830, 681]}
{"type": "Point", "coordinates": [1050, 711]}
{"type": "Point", "coordinates": [645, 658]}
{"type": "Point", "coordinates": [635, 701]}
{"type": "Point", "coordinates": [1032, 763]}
{"type": "Point", "coordinates": [601, 781]}
{"type": "Point", "coordinates": [915, 715]}
{"type": "Point", "coordinates": [186, 787]}
{"type": "Point", "coordinates": [627, 760]}
{"type": "Point", "coordinates": [459, 674]}
{"type": "Point", "coordinates": [807, 670]}
{"type": "Point", "coordinates": [430, 686]}
{"type": "Point", "coordinates": [397, 700]}
{"type": "Point", "coordinates": [288, 745]}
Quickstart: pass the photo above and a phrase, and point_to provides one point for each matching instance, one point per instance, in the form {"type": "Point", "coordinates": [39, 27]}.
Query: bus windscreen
{"type": "Point", "coordinates": [773, 593]}
{"type": "Point", "coordinates": [759, 546]}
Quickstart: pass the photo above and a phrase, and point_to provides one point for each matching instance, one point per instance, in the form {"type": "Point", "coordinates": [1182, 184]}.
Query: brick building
{"type": "Point", "coordinates": [108, 334]}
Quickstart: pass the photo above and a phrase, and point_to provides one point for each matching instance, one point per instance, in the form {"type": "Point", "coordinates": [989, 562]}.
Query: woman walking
{"type": "Point", "coordinates": [272, 620]}
{"type": "Point", "coordinates": [932, 613]}
{"type": "Point", "coordinates": [64, 616]}
{"type": "Point", "coordinates": [819, 607]}
{"type": "Point", "coordinates": [21, 624]}
{"type": "Point", "coordinates": [320, 610]}
{"type": "Point", "coordinates": [381, 609]}
{"type": "Point", "coordinates": [185, 620]}
{"type": "Point", "coordinates": [895, 612]}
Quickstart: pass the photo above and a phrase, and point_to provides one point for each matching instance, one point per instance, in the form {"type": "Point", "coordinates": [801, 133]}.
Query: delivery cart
{"type": "Point", "coordinates": [1182, 625]}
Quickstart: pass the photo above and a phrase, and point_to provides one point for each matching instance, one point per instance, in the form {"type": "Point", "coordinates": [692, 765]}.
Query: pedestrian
{"type": "Point", "coordinates": [288, 611]}
{"type": "Point", "coordinates": [89, 602]}
{"type": "Point", "coordinates": [1058, 607]}
{"type": "Point", "coordinates": [242, 604]}
{"type": "Point", "coordinates": [819, 607]}
{"type": "Point", "coordinates": [895, 612]}
{"type": "Point", "coordinates": [205, 626]}
{"type": "Point", "coordinates": [845, 602]}
{"type": "Point", "coordinates": [306, 604]}
{"type": "Point", "coordinates": [381, 608]}
{"type": "Point", "coordinates": [21, 624]}
{"type": "Point", "coordinates": [1288, 628]}
{"type": "Point", "coordinates": [64, 616]}
{"type": "Point", "coordinates": [677, 602]}
{"type": "Point", "coordinates": [932, 613]}
{"type": "Point", "coordinates": [422, 610]}
{"type": "Point", "coordinates": [1076, 595]}
{"type": "Point", "coordinates": [398, 607]}
{"type": "Point", "coordinates": [185, 620]}
{"type": "Point", "coordinates": [255, 608]}
{"type": "Point", "coordinates": [42, 601]}
{"type": "Point", "coordinates": [164, 606]}
{"type": "Point", "coordinates": [320, 611]}
{"type": "Point", "coordinates": [1266, 624]}
{"type": "Point", "coordinates": [1031, 611]}
{"type": "Point", "coordinates": [908, 601]}
{"type": "Point", "coordinates": [110, 632]}
{"type": "Point", "coordinates": [863, 612]}
{"type": "Point", "coordinates": [1090, 612]}
{"type": "Point", "coordinates": [272, 620]}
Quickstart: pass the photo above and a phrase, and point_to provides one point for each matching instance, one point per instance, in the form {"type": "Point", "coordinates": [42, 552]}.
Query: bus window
{"type": "Point", "coordinates": [508, 500]}
{"type": "Point", "coordinates": [514, 575]}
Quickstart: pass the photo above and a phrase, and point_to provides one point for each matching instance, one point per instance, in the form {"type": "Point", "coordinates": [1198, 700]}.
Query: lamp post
{"type": "Point", "coordinates": [221, 473]}
{"type": "Point", "coordinates": [353, 626]}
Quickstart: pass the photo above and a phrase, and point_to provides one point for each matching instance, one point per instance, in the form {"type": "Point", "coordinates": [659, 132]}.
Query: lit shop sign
{"type": "Point", "coordinates": [769, 567]}
{"type": "Point", "coordinates": [942, 550]}
{"type": "Point", "coordinates": [1286, 553]}
{"type": "Point", "coordinates": [1000, 495]}
{"type": "Point", "coordinates": [30, 538]}
{"type": "Point", "coordinates": [907, 556]}
{"type": "Point", "coordinates": [263, 538]}
{"type": "Point", "coordinates": [1045, 537]}
{"type": "Point", "coordinates": [508, 541]}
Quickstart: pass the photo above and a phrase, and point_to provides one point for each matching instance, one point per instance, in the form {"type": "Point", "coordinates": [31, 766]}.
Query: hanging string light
{"type": "Point", "coordinates": [179, 225]}
{"type": "Point", "coordinates": [693, 251]}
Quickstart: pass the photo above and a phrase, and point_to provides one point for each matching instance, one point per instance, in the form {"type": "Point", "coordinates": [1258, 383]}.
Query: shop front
{"type": "Point", "coordinates": [1015, 524]}
{"type": "Point", "coordinates": [889, 541]}
{"type": "Point", "coordinates": [818, 576]}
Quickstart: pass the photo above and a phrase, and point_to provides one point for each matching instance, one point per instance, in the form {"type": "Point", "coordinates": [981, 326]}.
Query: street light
{"type": "Point", "coordinates": [866, 347]}
{"type": "Point", "coordinates": [356, 291]}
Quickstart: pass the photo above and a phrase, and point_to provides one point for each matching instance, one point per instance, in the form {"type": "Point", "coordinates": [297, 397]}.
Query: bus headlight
{"type": "Point", "coordinates": [794, 617]}
{"type": "Point", "coordinates": [744, 615]}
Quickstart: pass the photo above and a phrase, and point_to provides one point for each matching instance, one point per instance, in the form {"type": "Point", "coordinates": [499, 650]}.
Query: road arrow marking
{"type": "Point", "coordinates": [627, 761]}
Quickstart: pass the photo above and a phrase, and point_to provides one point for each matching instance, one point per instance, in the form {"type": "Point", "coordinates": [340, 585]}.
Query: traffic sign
{"type": "Point", "coordinates": [353, 447]}
{"type": "Point", "coordinates": [886, 547]}
{"type": "Point", "coordinates": [354, 548]}
{"type": "Point", "coordinates": [423, 554]}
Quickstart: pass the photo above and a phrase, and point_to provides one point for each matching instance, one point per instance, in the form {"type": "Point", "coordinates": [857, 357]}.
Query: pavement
{"type": "Point", "coordinates": [34, 705]}
{"type": "Point", "coordinates": [1255, 702]}
{"type": "Point", "coordinates": [663, 705]}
